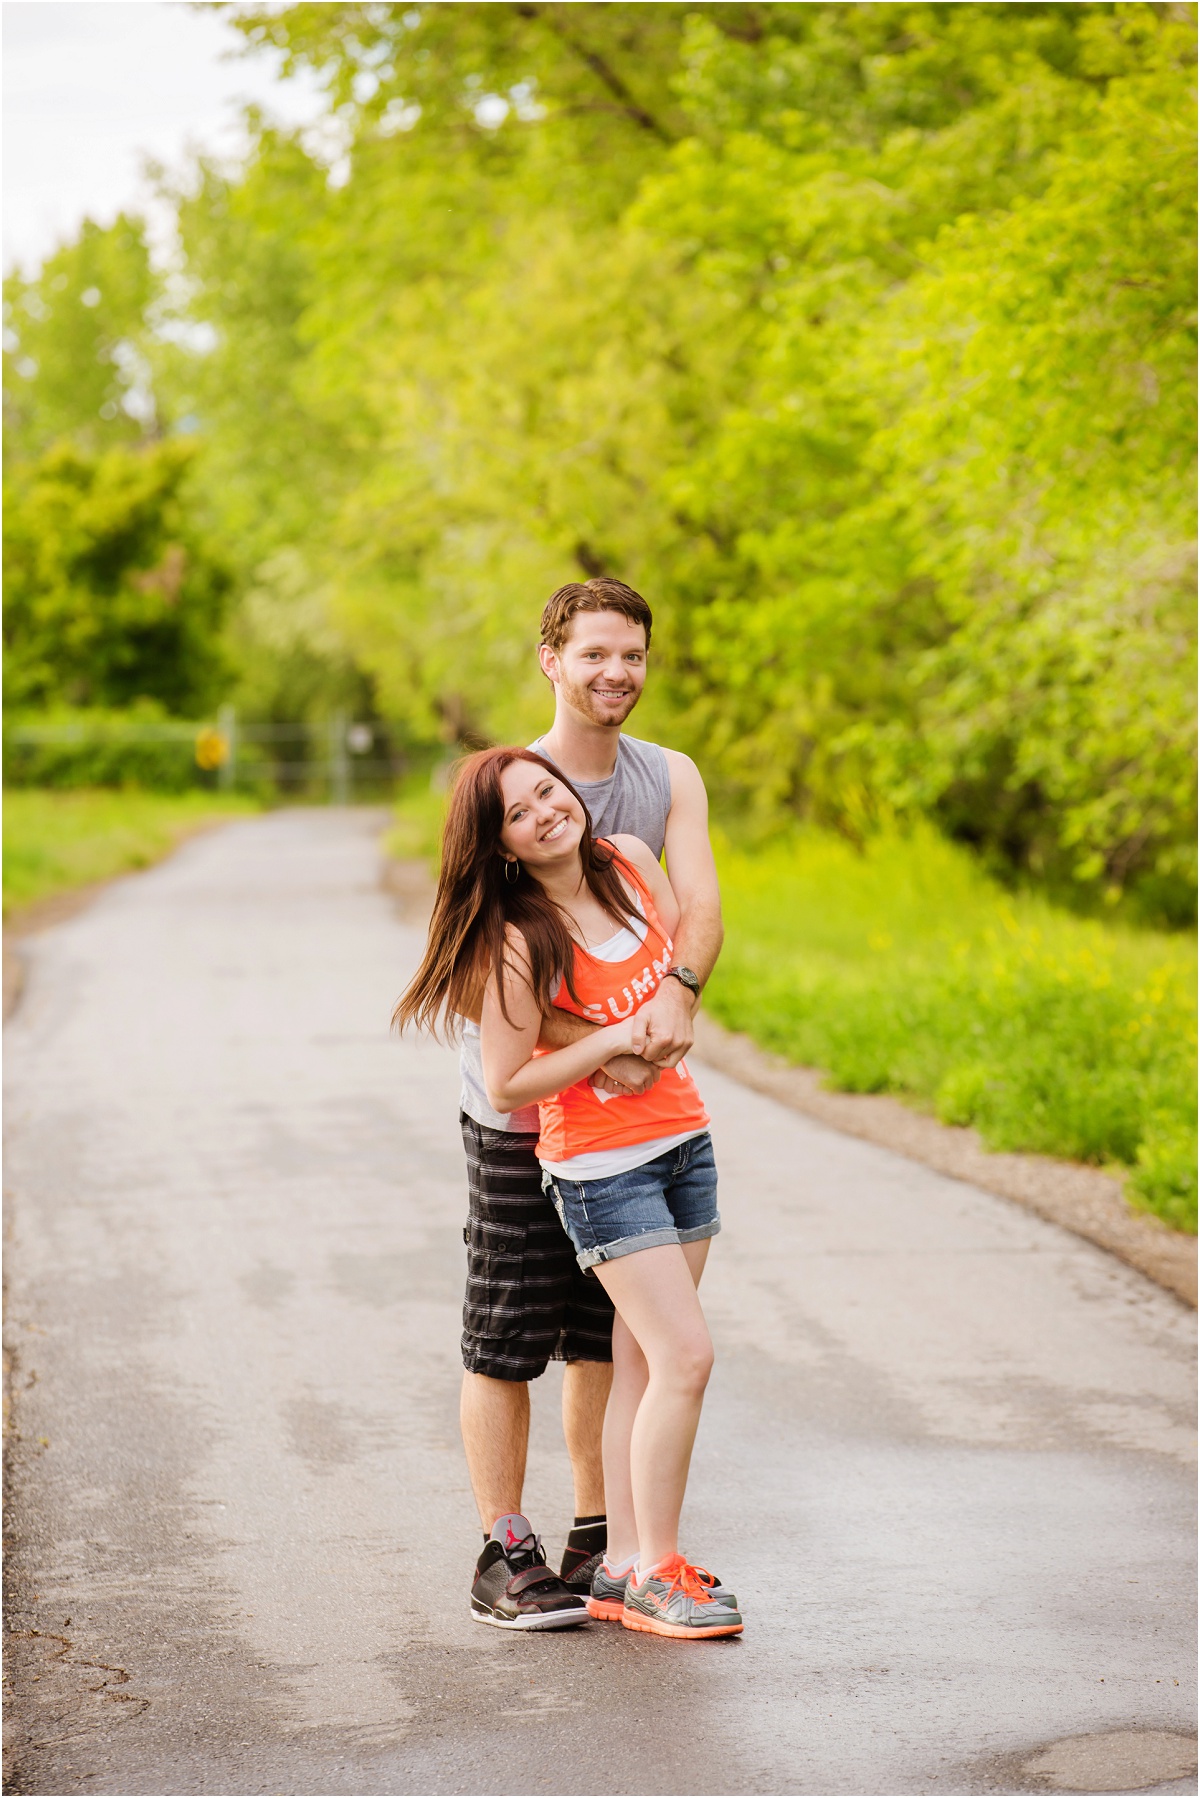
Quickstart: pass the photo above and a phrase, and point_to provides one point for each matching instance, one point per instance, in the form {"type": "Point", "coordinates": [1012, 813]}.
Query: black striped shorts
{"type": "Point", "coordinates": [528, 1300]}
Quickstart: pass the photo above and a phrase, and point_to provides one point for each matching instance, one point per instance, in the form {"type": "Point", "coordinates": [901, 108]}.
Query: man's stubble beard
{"type": "Point", "coordinates": [579, 698]}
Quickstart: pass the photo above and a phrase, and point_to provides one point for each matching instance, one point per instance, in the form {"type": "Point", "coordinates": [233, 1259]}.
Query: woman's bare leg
{"type": "Point", "coordinates": [630, 1374]}
{"type": "Point", "coordinates": [658, 1313]}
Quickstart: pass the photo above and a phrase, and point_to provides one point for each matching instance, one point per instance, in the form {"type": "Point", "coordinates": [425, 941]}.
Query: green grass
{"type": "Point", "coordinates": [905, 969]}
{"type": "Point", "coordinates": [416, 834]}
{"type": "Point", "coordinates": [54, 841]}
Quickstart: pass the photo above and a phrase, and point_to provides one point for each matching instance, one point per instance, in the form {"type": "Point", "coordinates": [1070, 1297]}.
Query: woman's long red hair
{"type": "Point", "coordinates": [476, 900]}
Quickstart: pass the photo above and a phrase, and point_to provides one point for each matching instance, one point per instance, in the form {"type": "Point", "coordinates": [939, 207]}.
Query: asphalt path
{"type": "Point", "coordinates": [945, 1459]}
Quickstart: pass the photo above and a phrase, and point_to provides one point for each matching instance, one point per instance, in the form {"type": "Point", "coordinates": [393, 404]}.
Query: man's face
{"type": "Point", "coordinates": [601, 668]}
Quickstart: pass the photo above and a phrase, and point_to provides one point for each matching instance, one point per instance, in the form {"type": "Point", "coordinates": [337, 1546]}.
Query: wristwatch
{"type": "Point", "coordinates": [685, 977]}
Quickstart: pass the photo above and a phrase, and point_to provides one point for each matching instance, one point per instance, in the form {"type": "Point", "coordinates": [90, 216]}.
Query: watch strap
{"type": "Point", "coordinates": [686, 977]}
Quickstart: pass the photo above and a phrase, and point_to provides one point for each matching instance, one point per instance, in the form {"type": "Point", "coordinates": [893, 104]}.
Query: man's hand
{"type": "Point", "coordinates": [626, 1074]}
{"type": "Point", "coordinates": [668, 1022]}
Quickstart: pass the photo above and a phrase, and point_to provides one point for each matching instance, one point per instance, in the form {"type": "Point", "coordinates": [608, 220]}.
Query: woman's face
{"type": "Point", "coordinates": [543, 820]}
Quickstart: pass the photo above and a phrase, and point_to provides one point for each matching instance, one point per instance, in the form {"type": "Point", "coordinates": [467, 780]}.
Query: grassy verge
{"type": "Point", "coordinates": [905, 969]}
{"type": "Point", "coordinates": [54, 841]}
{"type": "Point", "coordinates": [416, 833]}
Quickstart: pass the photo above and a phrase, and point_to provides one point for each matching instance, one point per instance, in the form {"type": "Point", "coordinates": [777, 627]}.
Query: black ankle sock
{"type": "Point", "coordinates": [590, 1535]}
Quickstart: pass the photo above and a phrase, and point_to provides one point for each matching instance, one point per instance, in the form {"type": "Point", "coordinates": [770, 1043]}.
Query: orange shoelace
{"type": "Point", "coordinates": [683, 1577]}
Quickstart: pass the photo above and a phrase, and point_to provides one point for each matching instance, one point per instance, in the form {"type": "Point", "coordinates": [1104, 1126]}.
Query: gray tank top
{"type": "Point", "coordinates": [633, 801]}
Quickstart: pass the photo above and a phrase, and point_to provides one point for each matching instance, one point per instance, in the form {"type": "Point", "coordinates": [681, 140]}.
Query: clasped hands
{"type": "Point", "coordinates": [666, 1023]}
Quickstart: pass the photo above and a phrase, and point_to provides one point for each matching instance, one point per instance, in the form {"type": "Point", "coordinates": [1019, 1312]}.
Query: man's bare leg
{"type": "Point", "coordinates": [584, 1395]}
{"type": "Point", "coordinates": [495, 1432]}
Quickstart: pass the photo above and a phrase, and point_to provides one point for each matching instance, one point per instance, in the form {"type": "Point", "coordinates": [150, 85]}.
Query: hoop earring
{"type": "Point", "coordinates": [512, 871]}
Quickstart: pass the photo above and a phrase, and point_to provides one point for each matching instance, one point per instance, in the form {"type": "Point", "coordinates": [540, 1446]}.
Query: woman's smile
{"type": "Point", "coordinates": [543, 820]}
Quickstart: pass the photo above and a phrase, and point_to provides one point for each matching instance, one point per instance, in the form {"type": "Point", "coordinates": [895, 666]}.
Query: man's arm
{"type": "Point", "coordinates": [514, 1075]}
{"type": "Point", "coordinates": [698, 938]}
{"type": "Point", "coordinates": [621, 1074]}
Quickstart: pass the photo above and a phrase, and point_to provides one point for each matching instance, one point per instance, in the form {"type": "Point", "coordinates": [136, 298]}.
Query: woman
{"type": "Point", "coordinates": [537, 914]}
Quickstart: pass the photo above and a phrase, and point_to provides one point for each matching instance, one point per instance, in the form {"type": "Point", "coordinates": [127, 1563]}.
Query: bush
{"type": "Point", "coordinates": [110, 593]}
{"type": "Point", "coordinates": [136, 748]}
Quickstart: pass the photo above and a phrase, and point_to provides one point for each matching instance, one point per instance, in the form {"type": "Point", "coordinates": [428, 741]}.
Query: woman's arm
{"type": "Point", "coordinates": [513, 1075]}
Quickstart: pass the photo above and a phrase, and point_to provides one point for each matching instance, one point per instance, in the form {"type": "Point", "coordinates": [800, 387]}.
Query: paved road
{"type": "Point", "coordinates": [945, 1459]}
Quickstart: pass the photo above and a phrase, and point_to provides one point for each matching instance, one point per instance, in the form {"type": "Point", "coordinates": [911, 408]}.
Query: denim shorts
{"type": "Point", "coordinates": [670, 1199]}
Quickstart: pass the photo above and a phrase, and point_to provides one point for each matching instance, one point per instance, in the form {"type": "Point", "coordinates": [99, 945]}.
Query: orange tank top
{"type": "Point", "coordinates": [581, 1121]}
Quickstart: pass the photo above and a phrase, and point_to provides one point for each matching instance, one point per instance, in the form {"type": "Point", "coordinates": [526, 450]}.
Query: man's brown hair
{"type": "Point", "coordinates": [603, 593]}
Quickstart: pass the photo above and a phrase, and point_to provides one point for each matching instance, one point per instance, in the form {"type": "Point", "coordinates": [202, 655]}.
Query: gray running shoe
{"type": "Point", "coordinates": [675, 1602]}
{"type": "Point", "coordinates": [607, 1600]}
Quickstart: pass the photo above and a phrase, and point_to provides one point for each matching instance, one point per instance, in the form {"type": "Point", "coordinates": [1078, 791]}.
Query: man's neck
{"type": "Point", "coordinates": [583, 750]}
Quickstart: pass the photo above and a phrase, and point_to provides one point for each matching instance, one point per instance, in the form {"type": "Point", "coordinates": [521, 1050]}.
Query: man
{"type": "Point", "coordinates": [527, 1300]}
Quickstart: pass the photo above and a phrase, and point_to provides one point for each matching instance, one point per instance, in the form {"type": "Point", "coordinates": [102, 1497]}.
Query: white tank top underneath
{"type": "Point", "coordinates": [604, 1164]}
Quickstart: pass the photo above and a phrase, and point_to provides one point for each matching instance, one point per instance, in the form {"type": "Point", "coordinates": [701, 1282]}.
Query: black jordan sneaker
{"type": "Point", "coordinates": [578, 1569]}
{"type": "Point", "coordinates": [584, 1554]}
{"type": "Point", "coordinates": [514, 1588]}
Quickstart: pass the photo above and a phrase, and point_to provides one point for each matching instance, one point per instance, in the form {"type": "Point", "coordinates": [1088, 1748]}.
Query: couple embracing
{"type": "Point", "coordinates": [573, 965]}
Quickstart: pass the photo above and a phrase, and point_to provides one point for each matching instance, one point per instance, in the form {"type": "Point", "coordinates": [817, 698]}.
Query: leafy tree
{"type": "Point", "coordinates": [110, 597]}
{"type": "Point", "coordinates": [291, 662]}
{"type": "Point", "coordinates": [859, 337]}
{"type": "Point", "coordinates": [271, 469]}
{"type": "Point", "coordinates": [75, 343]}
{"type": "Point", "coordinates": [955, 495]}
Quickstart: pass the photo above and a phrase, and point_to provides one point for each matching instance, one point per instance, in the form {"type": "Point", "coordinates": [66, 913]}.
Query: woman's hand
{"type": "Point", "coordinates": [626, 1038]}
{"type": "Point", "coordinates": [626, 1076]}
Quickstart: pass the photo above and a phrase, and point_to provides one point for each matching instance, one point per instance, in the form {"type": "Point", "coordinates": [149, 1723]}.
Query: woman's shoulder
{"type": "Point", "coordinates": [632, 850]}
{"type": "Point", "coordinates": [516, 945]}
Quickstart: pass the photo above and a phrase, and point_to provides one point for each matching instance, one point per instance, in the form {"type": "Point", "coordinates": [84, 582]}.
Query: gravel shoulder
{"type": "Point", "coordinates": [1082, 1199]}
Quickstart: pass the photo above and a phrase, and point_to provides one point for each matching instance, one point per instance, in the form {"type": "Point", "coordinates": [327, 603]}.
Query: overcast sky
{"type": "Point", "coordinates": [92, 86]}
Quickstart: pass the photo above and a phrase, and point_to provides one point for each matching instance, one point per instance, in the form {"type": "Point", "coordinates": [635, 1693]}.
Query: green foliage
{"type": "Point", "coordinates": [94, 748]}
{"type": "Point", "coordinates": [292, 663]}
{"type": "Point", "coordinates": [902, 968]}
{"type": "Point", "coordinates": [56, 841]}
{"type": "Point", "coordinates": [860, 338]}
{"type": "Point", "coordinates": [1164, 1180]}
{"type": "Point", "coordinates": [416, 830]}
{"type": "Point", "coordinates": [576, 96]}
{"type": "Point", "coordinates": [75, 343]}
{"type": "Point", "coordinates": [271, 470]}
{"type": "Point", "coordinates": [110, 594]}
